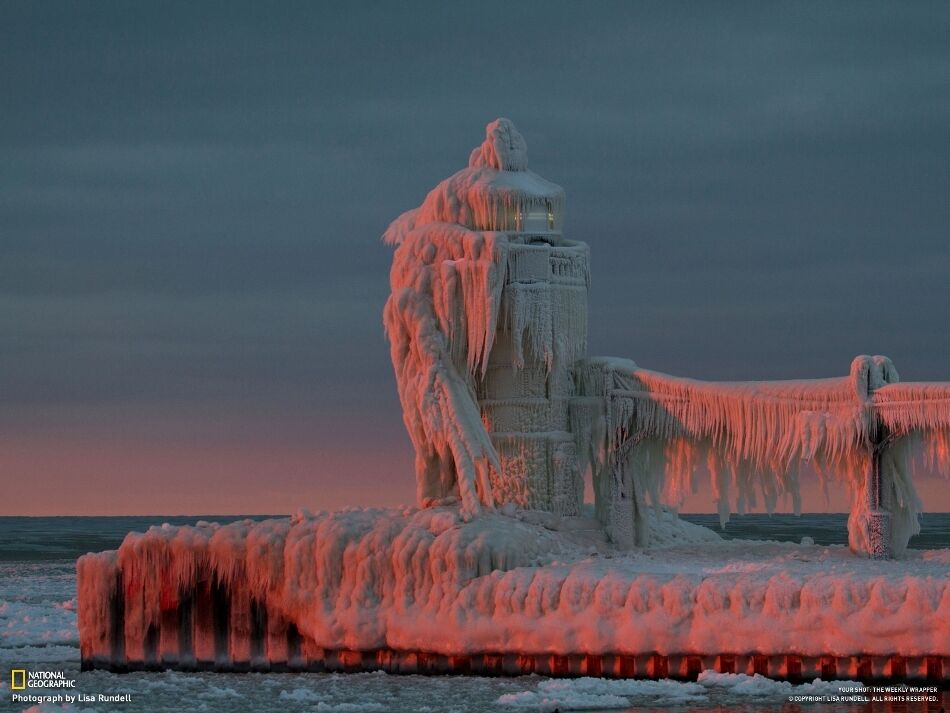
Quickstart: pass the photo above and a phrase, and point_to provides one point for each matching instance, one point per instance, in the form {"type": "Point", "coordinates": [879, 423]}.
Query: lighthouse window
{"type": "Point", "coordinates": [536, 220]}
{"type": "Point", "coordinates": [527, 218]}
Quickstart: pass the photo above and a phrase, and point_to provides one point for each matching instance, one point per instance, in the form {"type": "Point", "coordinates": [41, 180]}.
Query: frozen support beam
{"type": "Point", "coordinates": [626, 511]}
{"type": "Point", "coordinates": [879, 517]}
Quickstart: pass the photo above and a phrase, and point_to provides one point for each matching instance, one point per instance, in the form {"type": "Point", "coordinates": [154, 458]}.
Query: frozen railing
{"type": "Point", "coordinates": [642, 431]}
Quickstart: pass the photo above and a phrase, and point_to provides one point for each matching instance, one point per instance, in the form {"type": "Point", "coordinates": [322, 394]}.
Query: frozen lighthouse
{"type": "Point", "coordinates": [501, 568]}
{"type": "Point", "coordinates": [483, 261]}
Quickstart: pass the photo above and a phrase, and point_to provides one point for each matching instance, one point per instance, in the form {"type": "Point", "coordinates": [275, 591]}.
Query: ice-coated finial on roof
{"type": "Point", "coordinates": [504, 149]}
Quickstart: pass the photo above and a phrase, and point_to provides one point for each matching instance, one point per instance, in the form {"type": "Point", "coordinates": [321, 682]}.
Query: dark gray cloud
{"type": "Point", "coordinates": [191, 194]}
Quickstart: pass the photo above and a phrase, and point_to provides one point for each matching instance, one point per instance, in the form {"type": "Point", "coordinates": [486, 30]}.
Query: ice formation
{"type": "Point", "coordinates": [499, 570]}
{"type": "Point", "coordinates": [487, 326]}
{"type": "Point", "coordinates": [364, 588]}
{"type": "Point", "coordinates": [486, 319]}
{"type": "Point", "coordinates": [653, 431]}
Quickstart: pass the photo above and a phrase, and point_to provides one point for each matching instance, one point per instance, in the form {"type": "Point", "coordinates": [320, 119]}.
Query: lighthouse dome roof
{"type": "Point", "coordinates": [496, 192]}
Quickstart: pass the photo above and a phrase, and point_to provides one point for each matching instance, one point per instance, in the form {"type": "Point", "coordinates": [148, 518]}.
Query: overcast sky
{"type": "Point", "coordinates": [191, 199]}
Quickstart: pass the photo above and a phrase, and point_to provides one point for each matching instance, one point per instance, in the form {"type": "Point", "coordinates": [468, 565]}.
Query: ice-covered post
{"type": "Point", "coordinates": [620, 517]}
{"type": "Point", "coordinates": [610, 444]}
{"type": "Point", "coordinates": [869, 374]}
{"type": "Point", "coordinates": [879, 517]}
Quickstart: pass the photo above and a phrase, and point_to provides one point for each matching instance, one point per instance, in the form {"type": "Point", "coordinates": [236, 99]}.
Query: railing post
{"type": "Point", "coordinates": [879, 518]}
{"type": "Point", "coordinates": [869, 374]}
{"type": "Point", "coordinates": [620, 525]}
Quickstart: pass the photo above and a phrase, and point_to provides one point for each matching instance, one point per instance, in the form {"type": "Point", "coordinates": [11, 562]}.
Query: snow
{"type": "Point", "coordinates": [504, 148]}
{"type": "Point", "coordinates": [446, 282]}
{"type": "Point", "coordinates": [919, 413]}
{"type": "Point", "coordinates": [23, 624]}
{"type": "Point", "coordinates": [301, 695]}
{"type": "Point", "coordinates": [761, 687]}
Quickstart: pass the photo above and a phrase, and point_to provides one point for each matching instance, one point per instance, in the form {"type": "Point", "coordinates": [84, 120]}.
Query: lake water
{"type": "Point", "coordinates": [38, 633]}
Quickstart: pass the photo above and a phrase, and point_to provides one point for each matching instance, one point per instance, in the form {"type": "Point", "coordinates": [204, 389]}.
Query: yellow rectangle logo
{"type": "Point", "coordinates": [15, 674]}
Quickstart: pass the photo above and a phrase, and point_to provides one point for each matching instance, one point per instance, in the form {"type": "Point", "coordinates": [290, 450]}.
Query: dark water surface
{"type": "Point", "coordinates": [823, 528]}
{"type": "Point", "coordinates": [51, 538]}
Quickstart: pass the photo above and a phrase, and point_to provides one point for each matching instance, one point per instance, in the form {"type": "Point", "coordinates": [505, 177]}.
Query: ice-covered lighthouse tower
{"type": "Point", "coordinates": [488, 316]}
{"type": "Point", "coordinates": [526, 390]}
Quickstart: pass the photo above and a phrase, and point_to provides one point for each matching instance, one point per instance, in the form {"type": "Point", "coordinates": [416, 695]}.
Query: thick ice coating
{"type": "Point", "coordinates": [504, 149]}
{"type": "Point", "coordinates": [440, 319]}
{"type": "Point", "coordinates": [752, 438]}
{"type": "Point", "coordinates": [287, 591]}
{"type": "Point", "coordinates": [495, 192]}
{"type": "Point", "coordinates": [472, 264]}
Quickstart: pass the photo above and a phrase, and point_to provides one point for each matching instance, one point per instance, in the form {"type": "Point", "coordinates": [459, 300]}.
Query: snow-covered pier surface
{"type": "Point", "coordinates": [424, 591]}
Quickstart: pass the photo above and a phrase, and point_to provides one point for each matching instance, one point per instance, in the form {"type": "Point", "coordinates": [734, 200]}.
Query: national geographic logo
{"type": "Point", "coordinates": [21, 679]}
{"type": "Point", "coordinates": [23, 685]}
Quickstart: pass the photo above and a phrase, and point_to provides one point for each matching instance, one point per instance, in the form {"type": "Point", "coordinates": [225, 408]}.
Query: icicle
{"type": "Point", "coordinates": [921, 411]}
{"type": "Point", "coordinates": [529, 312]}
{"type": "Point", "coordinates": [754, 435]}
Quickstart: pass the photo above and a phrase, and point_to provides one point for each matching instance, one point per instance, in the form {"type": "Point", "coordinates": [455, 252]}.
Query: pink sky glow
{"type": "Point", "coordinates": [73, 476]}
